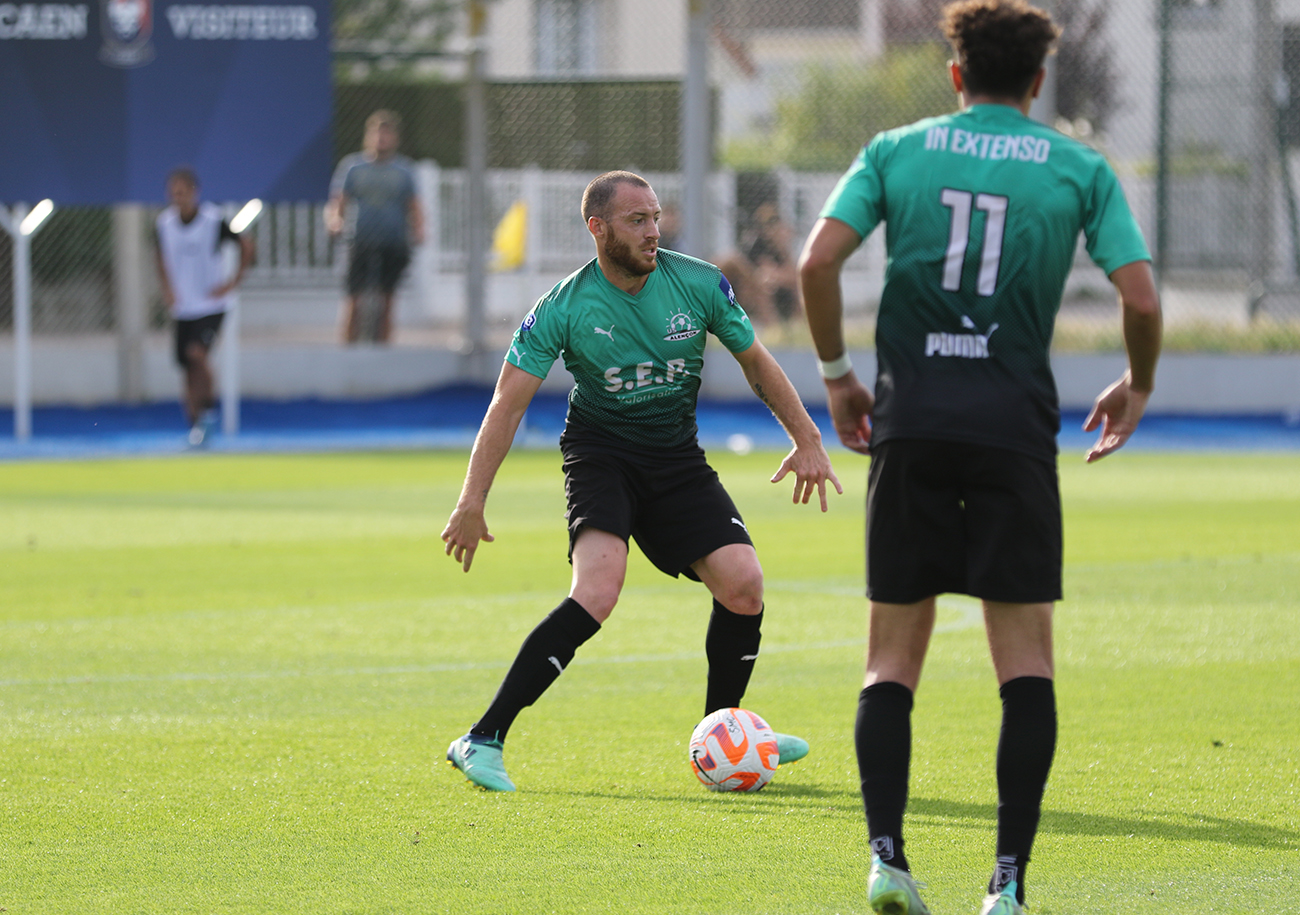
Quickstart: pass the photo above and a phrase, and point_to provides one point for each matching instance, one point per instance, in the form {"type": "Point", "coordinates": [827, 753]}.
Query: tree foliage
{"type": "Point", "coordinates": [840, 106]}
{"type": "Point", "coordinates": [380, 26]}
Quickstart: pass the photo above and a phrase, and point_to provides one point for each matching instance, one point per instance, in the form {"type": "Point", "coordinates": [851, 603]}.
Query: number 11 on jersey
{"type": "Point", "coordinates": [995, 222]}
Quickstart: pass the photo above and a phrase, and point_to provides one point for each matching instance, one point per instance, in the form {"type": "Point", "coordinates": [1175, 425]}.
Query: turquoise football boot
{"type": "Point", "coordinates": [480, 759]}
{"type": "Point", "coordinates": [791, 748]}
{"type": "Point", "coordinates": [1003, 903]}
{"type": "Point", "coordinates": [892, 891]}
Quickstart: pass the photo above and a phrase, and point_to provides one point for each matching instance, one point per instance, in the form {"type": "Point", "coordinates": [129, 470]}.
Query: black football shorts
{"type": "Point", "coordinates": [376, 266]}
{"type": "Point", "coordinates": [948, 517]}
{"type": "Point", "coordinates": [672, 503]}
{"type": "Point", "coordinates": [202, 331]}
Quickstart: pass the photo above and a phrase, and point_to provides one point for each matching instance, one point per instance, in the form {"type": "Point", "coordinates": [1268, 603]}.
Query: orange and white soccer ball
{"type": "Point", "coordinates": [733, 749]}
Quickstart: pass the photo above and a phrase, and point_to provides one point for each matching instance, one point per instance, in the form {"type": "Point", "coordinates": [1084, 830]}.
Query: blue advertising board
{"type": "Point", "coordinates": [101, 99]}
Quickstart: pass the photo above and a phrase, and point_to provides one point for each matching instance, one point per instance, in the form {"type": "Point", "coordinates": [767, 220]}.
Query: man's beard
{"type": "Point", "coordinates": [620, 255]}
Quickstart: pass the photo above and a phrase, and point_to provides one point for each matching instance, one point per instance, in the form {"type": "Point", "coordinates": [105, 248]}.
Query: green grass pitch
{"type": "Point", "coordinates": [227, 685]}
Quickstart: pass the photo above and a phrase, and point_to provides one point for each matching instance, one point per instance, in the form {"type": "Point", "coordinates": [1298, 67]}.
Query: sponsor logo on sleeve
{"type": "Point", "coordinates": [726, 289]}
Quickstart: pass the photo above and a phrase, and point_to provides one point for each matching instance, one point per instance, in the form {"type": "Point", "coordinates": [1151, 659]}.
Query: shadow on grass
{"type": "Point", "coordinates": [1175, 825]}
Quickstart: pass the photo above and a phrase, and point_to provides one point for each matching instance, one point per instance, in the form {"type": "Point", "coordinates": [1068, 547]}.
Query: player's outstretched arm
{"type": "Point", "coordinates": [1120, 407]}
{"type": "Point", "coordinates": [808, 460]}
{"type": "Point", "coordinates": [850, 403]}
{"type": "Point", "coordinates": [467, 526]}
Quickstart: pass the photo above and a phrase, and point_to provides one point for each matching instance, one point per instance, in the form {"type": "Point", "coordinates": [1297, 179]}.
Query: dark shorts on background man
{"type": "Point", "coordinates": [672, 504]}
{"type": "Point", "coordinates": [954, 518]}
{"type": "Point", "coordinates": [376, 266]}
{"type": "Point", "coordinates": [202, 331]}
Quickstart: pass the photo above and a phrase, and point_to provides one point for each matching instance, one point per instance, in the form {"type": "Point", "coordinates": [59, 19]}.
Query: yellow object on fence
{"type": "Point", "coordinates": [510, 239]}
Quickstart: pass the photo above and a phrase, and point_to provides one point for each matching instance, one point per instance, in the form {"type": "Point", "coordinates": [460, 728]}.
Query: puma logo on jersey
{"type": "Point", "coordinates": [960, 346]}
{"type": "Point", "coordinates": [608, 333]}
{"type": "Point", "coordinates": [741, 523]}
{"type": "Point", "coordinates": [516, 352]}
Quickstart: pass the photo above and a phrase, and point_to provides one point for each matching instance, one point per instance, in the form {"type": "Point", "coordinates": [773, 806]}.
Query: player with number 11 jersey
{"type": "Point", "coordinates": [985, 210]}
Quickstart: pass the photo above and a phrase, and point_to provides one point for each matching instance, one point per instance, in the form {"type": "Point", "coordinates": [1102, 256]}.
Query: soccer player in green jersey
{"type": "Point", "coordinates": [983, 210]}
{"type": "Point", "coordinates": [631, 327]}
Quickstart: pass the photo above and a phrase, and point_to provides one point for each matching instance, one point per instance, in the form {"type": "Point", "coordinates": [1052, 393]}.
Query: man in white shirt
{"type": "Point", "coordinates": [195, 287]}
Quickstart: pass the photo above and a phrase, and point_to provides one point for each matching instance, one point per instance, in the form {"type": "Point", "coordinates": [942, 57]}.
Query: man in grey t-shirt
{"type": "Point", "coordinates": [373, 198]}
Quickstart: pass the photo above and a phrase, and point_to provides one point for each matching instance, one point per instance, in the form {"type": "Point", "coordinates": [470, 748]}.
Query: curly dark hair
{"type": "Point", "coordinates": [1000, 45]}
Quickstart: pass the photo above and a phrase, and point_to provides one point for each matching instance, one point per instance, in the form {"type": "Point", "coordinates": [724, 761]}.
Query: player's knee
{"type": "Point", "coordinates": [597, 601]}
{"type": "Point", "coordinates": [743, 594]}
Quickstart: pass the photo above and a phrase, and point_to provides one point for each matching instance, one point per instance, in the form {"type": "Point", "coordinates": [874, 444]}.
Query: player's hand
{"type": "Point", "coordinates": [333, 218]}
{"type": "Point", "coordinates": [219, 291]}
{"type": "Point", "coordinates": [811, 467]}
{"type": "Point", "coordinates": [850, 405]}
{"type": "Point", "coordinates": [465, 529]}
{"type": "Point", "coordinates": [1118, 410]}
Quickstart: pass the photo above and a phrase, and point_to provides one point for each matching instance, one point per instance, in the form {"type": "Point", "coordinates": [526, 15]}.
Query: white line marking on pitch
{"type": "Point", "coordinates": [968, 611]}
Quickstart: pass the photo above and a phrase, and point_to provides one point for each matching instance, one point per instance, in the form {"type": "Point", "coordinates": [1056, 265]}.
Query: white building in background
{"type": "Point", "coordinates": [758, 46]}
{"type": "Point", "coordinates": [755, 43]}
{"type": "Point", "coordinates": [587, 38]}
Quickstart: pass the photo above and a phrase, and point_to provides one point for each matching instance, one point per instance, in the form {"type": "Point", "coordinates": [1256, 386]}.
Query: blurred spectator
{"type": "Point", "coordinates": [373, 199]}
{"type": "Point", "coordinates": [762, 270]}
{"type": "Point", "coordinates": [670, 227]}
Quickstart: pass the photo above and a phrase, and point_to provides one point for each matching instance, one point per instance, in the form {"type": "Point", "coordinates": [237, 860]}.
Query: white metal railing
{"type": "Point", "coordinates": [295, 251]}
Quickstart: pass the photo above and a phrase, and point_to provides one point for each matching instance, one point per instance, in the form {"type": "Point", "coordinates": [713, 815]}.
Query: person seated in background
{"type": "Point", "coordinates": [763, 270]}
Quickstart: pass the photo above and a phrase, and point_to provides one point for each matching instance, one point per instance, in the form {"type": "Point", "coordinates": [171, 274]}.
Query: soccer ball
{"type": "Point", "coordinates": [733, 749]}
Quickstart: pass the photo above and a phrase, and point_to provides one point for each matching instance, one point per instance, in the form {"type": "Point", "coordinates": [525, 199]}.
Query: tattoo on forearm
{"type": "Point", "coordinates": [758, 389]}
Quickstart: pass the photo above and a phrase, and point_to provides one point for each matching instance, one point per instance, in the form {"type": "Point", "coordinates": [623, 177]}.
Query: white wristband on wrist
{"type": "Point", "coordinates": [836, 368]}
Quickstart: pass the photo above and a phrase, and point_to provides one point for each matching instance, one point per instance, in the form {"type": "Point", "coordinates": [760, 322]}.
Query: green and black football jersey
{"type": "Point", "coordinates": [982, 212]}
{"type": "Point", "coordinates": [635, 359]}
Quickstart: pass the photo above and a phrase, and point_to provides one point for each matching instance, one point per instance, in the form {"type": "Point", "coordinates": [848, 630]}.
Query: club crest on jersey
{"type": "Point", "coordinates": [127, 26]}
{"type": "Point", "coordinates": [680, 327]}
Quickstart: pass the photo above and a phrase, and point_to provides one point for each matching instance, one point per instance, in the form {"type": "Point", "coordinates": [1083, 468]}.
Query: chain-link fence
{"type": "Point", "coordinates": [1196, 102]}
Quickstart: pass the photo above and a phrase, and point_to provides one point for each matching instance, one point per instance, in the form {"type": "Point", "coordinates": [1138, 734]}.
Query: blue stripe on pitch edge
{"type": "Point", "coordinates": [448, 417]}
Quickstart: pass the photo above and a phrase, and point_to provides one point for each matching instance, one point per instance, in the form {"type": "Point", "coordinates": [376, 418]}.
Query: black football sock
{"type": "Point", "coordinates": [1025, 751]}
{"type": "Point", "coordinates": [542, 658]}
{"type": "Point", "coordinates": [731, 647]}
{"type": "Point", "coordinates": [883, 737]}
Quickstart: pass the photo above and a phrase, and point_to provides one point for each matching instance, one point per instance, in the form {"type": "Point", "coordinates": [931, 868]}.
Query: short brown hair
{"type": "Point", "coordinates": [596, 198]}
{"type": "Point", "coordinates": [1000, 45]}
{"type": "Point", "coordinates": [384, 118]}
